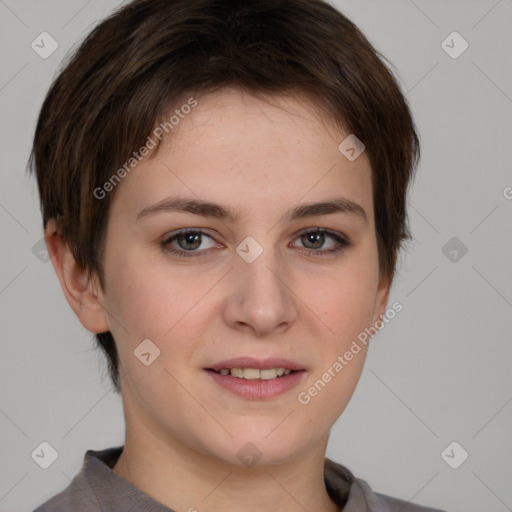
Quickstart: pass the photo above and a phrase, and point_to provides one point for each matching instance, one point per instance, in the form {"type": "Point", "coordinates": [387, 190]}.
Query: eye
{"type": "Point", "coordinates": [314, 240]}
{"type": "Point", "coordinates": [188, 242]}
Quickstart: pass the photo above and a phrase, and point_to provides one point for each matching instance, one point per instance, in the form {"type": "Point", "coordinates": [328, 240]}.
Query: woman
{"type": "Point", "coordinates": [223, 187]}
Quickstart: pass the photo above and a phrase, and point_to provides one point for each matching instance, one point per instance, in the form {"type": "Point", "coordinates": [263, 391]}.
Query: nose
{"type": "Point", "coordinates": [260, 300]}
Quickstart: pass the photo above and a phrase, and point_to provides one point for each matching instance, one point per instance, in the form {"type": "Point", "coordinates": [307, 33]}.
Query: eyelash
{"type": "Point", "coordinates": [342, 241]}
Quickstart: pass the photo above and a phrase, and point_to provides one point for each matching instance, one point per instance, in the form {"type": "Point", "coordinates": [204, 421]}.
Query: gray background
{"type": "Point", "coordinates": [440, 372]}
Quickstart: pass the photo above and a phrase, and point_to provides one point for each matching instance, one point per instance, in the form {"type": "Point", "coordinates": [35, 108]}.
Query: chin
{"type": "Point", "coordinates": [261, 443]}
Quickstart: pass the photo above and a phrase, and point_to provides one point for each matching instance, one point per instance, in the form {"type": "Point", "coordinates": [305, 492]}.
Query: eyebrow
{"type": "Point", "coordinates": [210, 209]}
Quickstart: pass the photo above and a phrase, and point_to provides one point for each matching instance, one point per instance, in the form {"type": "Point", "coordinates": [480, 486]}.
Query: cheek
{"type": "Point", "coordinates": [148, 304]}
{"type": "Point", "coordinates": [149, 299]}
{"type": "Point", "coordinates": [346, 301]}
{"type": "Point", "coordinates": [348, 308]}
{"type": "Point", "coordinates": [168, 308]}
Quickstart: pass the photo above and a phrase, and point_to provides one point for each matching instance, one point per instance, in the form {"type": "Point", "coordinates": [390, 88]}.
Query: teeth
{"type": "Point", "coordinates": [251, 373]}
{"type": "Point", "coordinates": [271, 373]}
{"type": "Point", "coordinates": [255, 373]}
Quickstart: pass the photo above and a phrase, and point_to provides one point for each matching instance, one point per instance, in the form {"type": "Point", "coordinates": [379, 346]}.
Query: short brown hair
{"type": "Point", "coordinates": [122, 79]}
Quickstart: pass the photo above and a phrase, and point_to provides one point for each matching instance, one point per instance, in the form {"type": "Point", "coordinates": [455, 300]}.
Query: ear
{"type": "Point", "coordinates": [83, 293]}
{"type": "Point", "coordinates": [381, 299]}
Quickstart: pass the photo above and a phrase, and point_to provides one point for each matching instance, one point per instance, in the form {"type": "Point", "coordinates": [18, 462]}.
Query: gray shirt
{"type": "Point", "coordinates": [97, 488]}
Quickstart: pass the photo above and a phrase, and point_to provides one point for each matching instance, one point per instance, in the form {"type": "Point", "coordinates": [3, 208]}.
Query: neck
{"type": "Point", "coordinates": [183, 479]}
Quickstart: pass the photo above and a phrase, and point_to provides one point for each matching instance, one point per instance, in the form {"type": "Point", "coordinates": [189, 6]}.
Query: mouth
{"type": "Point", "coordinates": [256, 379]}
{"type": "Point", "coordinates": [254, 373]}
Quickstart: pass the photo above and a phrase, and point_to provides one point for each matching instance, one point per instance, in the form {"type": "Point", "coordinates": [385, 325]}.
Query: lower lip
{"type": "Point", "coordinates": [257, 389]}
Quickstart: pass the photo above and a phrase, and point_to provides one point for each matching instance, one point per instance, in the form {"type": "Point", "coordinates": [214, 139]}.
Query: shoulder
{"type": "Point", "coordinates": [70, 499]}
{"type": "Point", "coordinates": [77, 496]}
{"type": "Point", "coordinates": [384, 503]}
{"type": "Point", "coordinates": [89, 488]}
{"type": "Point", "coordinates": [355, 495]}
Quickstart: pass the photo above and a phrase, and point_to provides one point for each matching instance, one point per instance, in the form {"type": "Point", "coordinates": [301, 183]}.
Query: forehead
{"type": "Point", "coordinates": [233, 147]}
{"type": "Point", "coordinates": [230, 114]}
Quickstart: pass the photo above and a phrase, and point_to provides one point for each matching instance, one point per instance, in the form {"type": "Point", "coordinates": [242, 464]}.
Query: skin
{"type": "Point", "coordinates": [183, 431]}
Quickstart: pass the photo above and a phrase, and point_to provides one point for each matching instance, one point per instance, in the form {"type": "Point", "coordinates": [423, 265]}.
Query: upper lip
{"type": "Point", "coordinates": [260, 364]}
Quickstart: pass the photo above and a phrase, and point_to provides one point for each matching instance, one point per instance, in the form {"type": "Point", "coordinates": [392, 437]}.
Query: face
{"type": "Point", "coordinates": [257, 279]}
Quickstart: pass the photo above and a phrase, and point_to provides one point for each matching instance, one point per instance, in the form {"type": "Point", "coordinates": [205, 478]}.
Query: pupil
{"type": "Point", "coordinates": [190, 238]}
{"type": "Point", "coordinates": [315, 238]}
